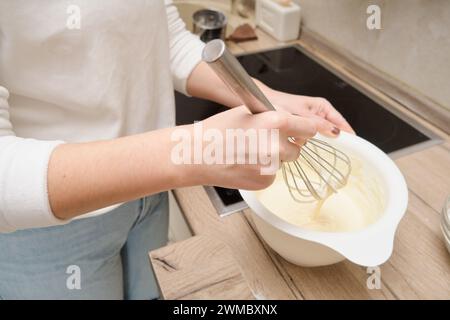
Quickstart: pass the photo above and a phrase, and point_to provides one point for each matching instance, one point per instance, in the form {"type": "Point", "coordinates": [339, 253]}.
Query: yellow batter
{"type": "Point", "coordinates": [353, 207]}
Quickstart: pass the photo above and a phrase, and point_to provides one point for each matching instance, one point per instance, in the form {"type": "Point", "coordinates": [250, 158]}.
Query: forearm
{"type": "Point", "coordinates": [87, 176]}
{"type": "Point", "coordinates": [204, 83]}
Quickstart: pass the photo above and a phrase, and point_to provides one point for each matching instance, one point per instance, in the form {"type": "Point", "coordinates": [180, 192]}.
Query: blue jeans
{"type": "Point", "coordinates": [103, 257]}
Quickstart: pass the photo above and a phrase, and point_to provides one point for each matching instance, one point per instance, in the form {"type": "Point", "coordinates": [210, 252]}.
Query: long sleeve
{"type": "Point", "coordinates": [23, 177]}
{"type": "Point", "coordinates": [185, 48]}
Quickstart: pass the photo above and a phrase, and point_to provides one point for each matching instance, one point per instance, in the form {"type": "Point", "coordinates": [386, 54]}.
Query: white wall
{"type": "Point", "coordinates": [413, 44]}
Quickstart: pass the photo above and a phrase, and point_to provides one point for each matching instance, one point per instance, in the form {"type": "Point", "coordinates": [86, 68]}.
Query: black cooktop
{"type": "Point", "coordinates": [290, 70]}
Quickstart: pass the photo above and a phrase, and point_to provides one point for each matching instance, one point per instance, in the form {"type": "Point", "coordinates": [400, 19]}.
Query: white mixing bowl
{"type": "Point", "coordinates": [370, 246]}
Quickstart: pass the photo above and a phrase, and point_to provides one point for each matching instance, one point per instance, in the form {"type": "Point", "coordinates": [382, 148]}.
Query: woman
{"type": "Point", "coordinates": [86, 118]}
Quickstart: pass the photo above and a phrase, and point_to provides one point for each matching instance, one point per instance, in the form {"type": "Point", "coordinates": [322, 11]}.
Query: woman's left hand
{"type": "Point", "coordinates": [329, 120]}
{"type": "Point", "coordinates": [204, 83]}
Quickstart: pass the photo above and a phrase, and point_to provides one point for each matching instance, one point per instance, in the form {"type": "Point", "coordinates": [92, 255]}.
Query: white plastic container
{"type": "Point", "coordinates": [370, 246]}
{"type": "Point", "coordinates": [282, 22]}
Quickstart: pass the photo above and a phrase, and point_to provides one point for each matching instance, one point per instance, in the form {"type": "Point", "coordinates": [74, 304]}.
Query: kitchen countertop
{"type": "Point", "coordinates": [227, 258]}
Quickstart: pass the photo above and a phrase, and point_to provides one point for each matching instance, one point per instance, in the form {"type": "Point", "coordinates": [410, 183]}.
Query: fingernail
{"type": "Point", "coordinates": [336, 131]}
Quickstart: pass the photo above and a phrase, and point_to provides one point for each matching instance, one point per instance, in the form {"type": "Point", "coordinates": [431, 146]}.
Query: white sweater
{"type": "Point", "coordinates": [114, 76]}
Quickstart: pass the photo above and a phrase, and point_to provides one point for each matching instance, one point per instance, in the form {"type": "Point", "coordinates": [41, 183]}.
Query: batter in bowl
{"type": "Point", "coordinates": [355, 206]}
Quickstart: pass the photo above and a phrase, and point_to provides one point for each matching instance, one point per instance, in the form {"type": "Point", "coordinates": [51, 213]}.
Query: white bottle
{"type": "Point", "coordinates": [280, 21]}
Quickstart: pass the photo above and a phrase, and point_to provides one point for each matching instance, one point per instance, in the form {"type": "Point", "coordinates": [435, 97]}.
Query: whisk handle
{"type": "Point", "coordinates": [228, 68]}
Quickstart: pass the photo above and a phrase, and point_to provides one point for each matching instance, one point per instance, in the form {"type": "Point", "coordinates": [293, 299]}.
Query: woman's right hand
{"type": "Point", "coordinates": [83, 177]}
{"type": "Point", "coordinates": [249, 176]}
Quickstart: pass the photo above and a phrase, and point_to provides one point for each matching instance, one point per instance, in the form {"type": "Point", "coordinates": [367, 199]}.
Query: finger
{"type": "Point", "coordinates": [300, 127]}
{"type": "Point", "coordinates": [298, 141]}
{"type": "Point", "coordinates": [323, 108]}
{"type": "Point", "coordinates": [289, 125]}
{"type": "Point", "coordinates": [325, 127]}
{"type": "Point", "coordinates": [289, 151]}
{"type": "Point", "coordinates": [336, 118]}
{"type": "Point", "coordinates": [332, 115]}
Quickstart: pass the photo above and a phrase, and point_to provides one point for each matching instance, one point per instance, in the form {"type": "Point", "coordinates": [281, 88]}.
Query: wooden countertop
{"type": "Point", "coordinates": [246, 267]}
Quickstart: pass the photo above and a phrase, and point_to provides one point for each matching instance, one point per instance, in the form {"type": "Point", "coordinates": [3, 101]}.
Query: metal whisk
{"type": "Point", "coordinates": [320, 169]}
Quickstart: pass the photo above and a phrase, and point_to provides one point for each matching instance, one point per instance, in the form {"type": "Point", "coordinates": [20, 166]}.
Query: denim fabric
{"type": "Point", "coordinates": [109, 253]}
